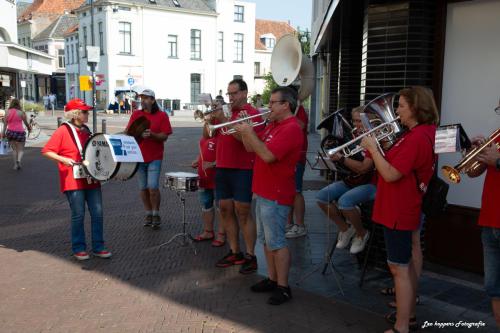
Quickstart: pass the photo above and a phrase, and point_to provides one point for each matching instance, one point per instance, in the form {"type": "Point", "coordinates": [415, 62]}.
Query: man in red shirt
{"type": "Point", "coordinates": [489, 219]}
{"type": "Point", "coordinates": [152, 147]}
{"type": "Point", "coordinates": [233, 182]}
{"type": "Point", "coordinates": [278, 151]}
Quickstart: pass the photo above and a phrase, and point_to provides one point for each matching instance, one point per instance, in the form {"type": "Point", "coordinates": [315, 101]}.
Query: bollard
{"type": "Point", "coordinates": [59, 121]}
{"type": "Point", "coordinates": [103, 126]}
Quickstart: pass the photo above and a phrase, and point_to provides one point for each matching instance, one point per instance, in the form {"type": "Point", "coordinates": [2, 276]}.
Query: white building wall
{"type": "Point", "coordinates": [264, 58]}
{"type": "Point", "coordinates": [8, 24]}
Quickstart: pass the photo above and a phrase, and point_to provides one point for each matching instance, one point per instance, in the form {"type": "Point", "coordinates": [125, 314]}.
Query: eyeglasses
{"type": "Point", "coordinates": [273, 102]}
{"type": "Point", "coordinates": [84, 111]}
{"type": "Point", "coordinates": [232, 93]}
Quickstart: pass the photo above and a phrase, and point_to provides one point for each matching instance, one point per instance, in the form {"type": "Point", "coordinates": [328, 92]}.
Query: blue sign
{"type": "Point", "coordinates": [130, 81]}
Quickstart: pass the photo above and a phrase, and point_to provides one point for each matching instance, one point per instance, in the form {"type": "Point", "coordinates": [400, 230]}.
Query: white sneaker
{"type": "Point", "coordinates": [345, 237]}
{"type": "Point", "coordinates": [289, 227]}
{"type": "Point", "coordinates": [296, 231]}
{"type": "Point", "coordinates": [358, 243]}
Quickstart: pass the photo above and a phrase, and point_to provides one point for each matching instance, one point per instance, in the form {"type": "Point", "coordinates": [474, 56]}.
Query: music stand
{"type": "Point", "coordinates": [187, 239]}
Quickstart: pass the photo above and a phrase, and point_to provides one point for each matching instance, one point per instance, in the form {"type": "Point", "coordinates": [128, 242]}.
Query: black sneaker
{"type": "Point", "coordinates": [264, 286]}
{"type": "Point", "coordinates": [250, 265]}
{"type": "Point", "coordinates": [231, 259]}
{"type": "Point", "coordinates": [155, 223]}
{"type": "Point", "coordinates": [280, 295]}
{"type": "Point", "coordinates": [148, 220]}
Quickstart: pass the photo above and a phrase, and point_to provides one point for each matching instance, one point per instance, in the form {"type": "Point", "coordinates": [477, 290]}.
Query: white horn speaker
{"type": "Point", "coordinates": [289, 65]}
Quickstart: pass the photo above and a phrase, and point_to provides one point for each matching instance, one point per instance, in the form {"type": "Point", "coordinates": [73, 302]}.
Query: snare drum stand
{"type": "Point", "coordinates": [187, 239]}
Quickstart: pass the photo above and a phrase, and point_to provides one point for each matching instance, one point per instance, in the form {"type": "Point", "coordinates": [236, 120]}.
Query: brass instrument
{"type": "Point", "coordinates": [225, 131]}
{"type": "Point", "coordinates": [469, 164]}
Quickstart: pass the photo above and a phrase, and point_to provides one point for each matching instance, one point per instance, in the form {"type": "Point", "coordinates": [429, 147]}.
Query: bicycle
{"type": "Point", "coordinates": [35, 131]}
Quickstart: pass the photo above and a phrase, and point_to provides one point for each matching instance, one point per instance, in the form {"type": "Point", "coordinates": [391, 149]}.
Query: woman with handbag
{"type": "Point", "coordinates": [15, 132]}
{"type": "Point", "coordinates": [65, 147]}
{"type": "Point", "coordinates": [404, 173]}
{"type": "Point", "coordinates": [340, 199]}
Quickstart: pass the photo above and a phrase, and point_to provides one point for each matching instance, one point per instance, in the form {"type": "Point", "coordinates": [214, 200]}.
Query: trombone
{"type": "Point", "coordinates": [226, 131]}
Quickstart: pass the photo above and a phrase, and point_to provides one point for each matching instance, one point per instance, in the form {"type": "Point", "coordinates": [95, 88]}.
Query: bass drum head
{"type": "Point", "coordinates": [125, 171]}
{"type": "Point", "coordinates": [99, 160]}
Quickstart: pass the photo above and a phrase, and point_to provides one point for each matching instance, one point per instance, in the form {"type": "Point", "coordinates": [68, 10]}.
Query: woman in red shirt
{"type": "Point", "coordinates": [64, 149]}
{"type": "Point", "coordinates": [404, 173]}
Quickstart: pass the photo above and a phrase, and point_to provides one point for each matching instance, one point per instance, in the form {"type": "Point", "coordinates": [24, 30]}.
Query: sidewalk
{"type": "Point", "coordinates": [146, 289]}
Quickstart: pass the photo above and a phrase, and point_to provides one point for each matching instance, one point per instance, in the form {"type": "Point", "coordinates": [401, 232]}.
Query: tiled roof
{"type": "Point", "coordinates": [49, 7]}
{"type": "Point", "coordinates": [21, 7]}
{"type": "Point", "coordinates": [277, 28]}
{"type": "Point", "coordinates": [58, 28]}
{"type": "Point", "coordinates": [196, 5]}
{"type": "Point", "coordinates": [71, 30]}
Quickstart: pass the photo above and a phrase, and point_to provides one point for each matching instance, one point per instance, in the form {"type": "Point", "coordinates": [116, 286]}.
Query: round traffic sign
{"type": "Point", "coordinates": [130, 81]}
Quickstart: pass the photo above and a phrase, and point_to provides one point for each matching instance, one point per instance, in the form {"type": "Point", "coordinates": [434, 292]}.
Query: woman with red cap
{"type": "Point", "coordinates": [65, 147]}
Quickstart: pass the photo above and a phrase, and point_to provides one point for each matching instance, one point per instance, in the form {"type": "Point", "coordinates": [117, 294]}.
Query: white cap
{"type": "Point", "coordinates": [147, 92]}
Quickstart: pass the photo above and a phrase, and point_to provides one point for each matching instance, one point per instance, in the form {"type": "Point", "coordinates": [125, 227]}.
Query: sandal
{"type": "Point", "coordinates": [395, 330]}
{"type": "Point", "coordinates": [200, 238]}
{"type": "Point", "coordinates": [391, 319]}
{"type": "Point", "coordinates": [390, 291]}
{"type": "Point", "coordinates": [219, 243]}
{"type": "Point", "coordinates": [392, 304]}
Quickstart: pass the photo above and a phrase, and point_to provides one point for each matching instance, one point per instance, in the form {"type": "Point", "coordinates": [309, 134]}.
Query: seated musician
{"type": "Point", "coordinates": [339, 200]}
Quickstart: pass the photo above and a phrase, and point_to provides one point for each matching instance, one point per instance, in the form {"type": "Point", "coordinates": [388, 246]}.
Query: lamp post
{"type": "Point", "coordinates": [92, 68]}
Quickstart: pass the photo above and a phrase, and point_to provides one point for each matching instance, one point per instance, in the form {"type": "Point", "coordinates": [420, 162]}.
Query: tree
{"type": "Point", "coordinates": [304, 37]}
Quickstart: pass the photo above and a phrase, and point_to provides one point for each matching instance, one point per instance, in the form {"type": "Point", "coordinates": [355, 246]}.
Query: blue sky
{"type": "Point", "coordinates": [297, 11]}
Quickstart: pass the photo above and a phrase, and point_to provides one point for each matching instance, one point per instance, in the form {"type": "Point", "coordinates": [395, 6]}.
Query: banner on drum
{"type": "Point", "coordinates": [124, 148]}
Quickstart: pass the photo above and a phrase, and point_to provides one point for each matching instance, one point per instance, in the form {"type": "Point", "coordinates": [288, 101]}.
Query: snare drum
{"type": "Point", "coordinates": [99, 163]}
{"type": "Point", "coordinates": [181, 181]}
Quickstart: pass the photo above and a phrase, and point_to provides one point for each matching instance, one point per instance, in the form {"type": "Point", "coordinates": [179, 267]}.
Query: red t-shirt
{"type": "Point", "coordinates": [230, 152]}
{"type": "Point", "coordinates": [398, 205]}
{"type": "Point", "coordinates": [276, 181]}
{"type": "Point", "coordinates": [207, 154]}
{"type": "Point", "coordinates": [490, 213]}
{"type": "Point", "coordinates": [151, 149]}
{"type": "Point", "coordinates": [62, 143]}
{"type": "Point", "coordinates": [302, 116]}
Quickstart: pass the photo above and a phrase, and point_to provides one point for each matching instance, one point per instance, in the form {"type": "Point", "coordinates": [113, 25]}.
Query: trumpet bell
{"type": "Point", "coordinates": [452, 174]}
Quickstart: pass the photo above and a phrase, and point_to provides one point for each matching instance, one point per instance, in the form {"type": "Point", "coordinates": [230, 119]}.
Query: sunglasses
{"type": "Point", "coordinates": [84, 111]}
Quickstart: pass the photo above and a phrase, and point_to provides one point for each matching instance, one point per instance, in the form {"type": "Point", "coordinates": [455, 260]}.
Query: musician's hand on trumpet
{"type": "Point", "coordinates": [489, 155]}
{"type": "Point", "coordinates": [336, 157]}
{"type": "Point", "coordinates": [369, 143]}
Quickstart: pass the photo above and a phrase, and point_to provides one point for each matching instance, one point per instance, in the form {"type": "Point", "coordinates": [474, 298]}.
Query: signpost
{"type": "Point", "coordinates": [23, 85]}
{"type": "Point", "coordinates": [131, 82]}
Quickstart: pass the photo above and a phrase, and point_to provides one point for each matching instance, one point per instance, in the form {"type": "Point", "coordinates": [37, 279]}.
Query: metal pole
{"type": "Point", "coordinates": [103, 126]}
{"type": "Point", "coordinates": [59, 122]}
{"type": "Point", "coordinates": [92, 67]}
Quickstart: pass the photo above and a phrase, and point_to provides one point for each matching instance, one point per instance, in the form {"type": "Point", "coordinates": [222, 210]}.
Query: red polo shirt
{"type": "Point", "coordinates": [151, 149]}
{"type": "Point", "coordinates": [490, 212]}
{"type": "Point", "coordinates": [302, 116]}
{"type": "Point", "coordinates": [207, 154]}
{"type": "Point", "coordinates": [398, 205]}
{"type": "Point", "coordinates": [62, 143]}
{"type": "Point", "coordinates": [276, 181]}
{"type": "Point", "coordinates": [230, 152]}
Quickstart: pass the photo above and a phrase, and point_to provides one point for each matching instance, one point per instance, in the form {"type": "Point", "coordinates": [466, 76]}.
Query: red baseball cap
{"type": "Point", "coordinates": [76, 104]}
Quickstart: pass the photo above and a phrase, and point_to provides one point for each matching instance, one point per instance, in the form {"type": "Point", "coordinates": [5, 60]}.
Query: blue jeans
{"type": "Point", "coordinates": [271, 221]}
{"type": "Point", "coordinates": [346, 197]}
{"type": "Point", "coordinates": [299, 177]}
{"type": "Point", "coordinates": [491, 248]}
{"type": "Point", "coordinates": [77, 201]}
{"type": "Point", "coordinates": [206, 196]}
{"type": "Point", "coordinates": [149, 175]}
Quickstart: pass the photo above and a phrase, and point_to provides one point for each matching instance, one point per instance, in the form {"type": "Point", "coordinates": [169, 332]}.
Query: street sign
{"type": "Point", "coordinates": [85, 83]}
{"type": "Point", "coordinates": [131, 81]}
{"type": "Point", "coordinates": [93, 54]}
{"type": "Point", "coordinates": [23, 84]}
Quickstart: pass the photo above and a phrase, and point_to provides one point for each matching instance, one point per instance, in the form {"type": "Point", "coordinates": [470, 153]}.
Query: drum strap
{"type": "Point", "coordinates": [78, 143]}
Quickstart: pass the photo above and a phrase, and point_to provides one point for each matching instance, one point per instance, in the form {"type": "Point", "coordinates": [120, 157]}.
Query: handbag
{"type": "Point", "coordinates": [5, 148]}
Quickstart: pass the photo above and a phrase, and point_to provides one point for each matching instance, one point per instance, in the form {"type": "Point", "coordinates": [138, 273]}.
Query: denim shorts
{"type": "Point", "coordinates": [235, 184]}
{"type": "Point", "coordinates": [206, 196]}
{"type": "Point", "coordinates": [346, 197]}
{"type": "Point", "coordinates": [398, 244]}
{"type": "Point", "coordinates": [271, 219]}
{"type": "Point", "coordinates": [299, 176]}
{"type": "Point", "coordinates": [491, 249]}
{"type": "Point", "coordinates": [149, 175]}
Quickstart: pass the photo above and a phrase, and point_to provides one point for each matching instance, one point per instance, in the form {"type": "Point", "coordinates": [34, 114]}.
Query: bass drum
{"type": "Point", "coordinates": [99, 163]}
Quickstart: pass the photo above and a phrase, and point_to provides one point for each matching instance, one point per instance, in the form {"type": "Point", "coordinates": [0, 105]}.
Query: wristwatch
{"type": "Point", "coordinates": [498, 164]}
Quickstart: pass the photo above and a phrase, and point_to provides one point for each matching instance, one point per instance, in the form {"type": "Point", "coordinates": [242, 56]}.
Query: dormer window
{"type": "Point", "coordinates": [268, 41]}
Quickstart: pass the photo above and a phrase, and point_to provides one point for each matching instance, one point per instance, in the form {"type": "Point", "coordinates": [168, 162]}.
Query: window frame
{"type": "Point", "coordinates": [172, 46]}
{"type": "Point", "coordinates": [195, 54]}
{"type": "Point", "coordinates": [237, 56]}
{"type": "Point", "coordinates": [123, 35]}
{"type": "Point", "coordinates": [239, 16]}
{"type": "Point", "coordinates": [194, 92]}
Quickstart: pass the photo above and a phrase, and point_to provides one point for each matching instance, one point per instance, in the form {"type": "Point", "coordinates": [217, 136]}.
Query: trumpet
{"type": "Point", "coordinates": [226, 131]}
{"type": "Point", "coordinates": [201, 116]}
{"type": "Point", "coordinates": [468, 164]}
{"type": "Point", "coordinates": [382, 131]}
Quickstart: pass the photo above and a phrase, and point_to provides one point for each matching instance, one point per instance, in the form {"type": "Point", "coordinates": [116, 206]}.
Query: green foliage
{"type": "Point", "coordinates": [35, 107]}
{"type": "Point", "coordinates": [304, 37]}
{"type": "Point", "coordinates": [270, 85]}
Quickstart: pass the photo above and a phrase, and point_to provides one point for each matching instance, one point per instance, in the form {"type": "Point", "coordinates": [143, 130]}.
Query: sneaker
{"type": "Point", "coordinates": [102, 254]}
{"type": "Point", "coordinates": [280, 295]}
{"type": "Point", "coordinates": [264, 286]}
{"type": "Point", "coordinates": [345, 237]}
{"type": "Point", "coordinates": [155, 223]}
{"type": "Point", "coordinates": [81, 255]}
{"type": "Point", "coordinates": [296, 231]}
{"type": "Point", "coordinates": [358, 243]}
{"type": "Point", "coordinates": [148, 220]}
{"type": "Point", "coordinates": [231, 259]}
{"type": "Point", "coordinates": [250, 265]}
{"type": "Point", "coordinates": [289, 227]}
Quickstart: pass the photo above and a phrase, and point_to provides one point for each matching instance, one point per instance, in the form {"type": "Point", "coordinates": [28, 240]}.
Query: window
{"type": "Point", "coordinates": [172, 46]}
{"type": "Point", "coordinates": [101, 37]}
{"type": "Point", "coordinates": [195, 44]}
{"type": "Point", "coordinates": [24, 41]}
{"type": "Point", "coordinates": [239, 12]}
{"type": "Point", "coordinates": [60, 58]}
{"type": "Point", "coordinates": [73, 60]}
{"type": "Point", "coordinates": [270, 42]}
{"type": "Point", "coordinates": [195, 87]}
{"type": "Point", "coordinates": [256, 68]}
{"type": "Point", "coordinates": [28, 41]}
{"type": "Point", "coordinates": [68, 59]}
{"type": "Point", "coordinates": [238, 47]}
{"type": "Point", "coordinates": [125, 37]}
{"type": "Point", "coordinates": [220, 46]}
{"type": "Point", "coordinates": [85, 42]}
